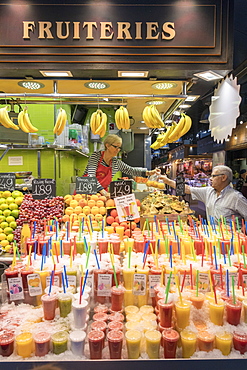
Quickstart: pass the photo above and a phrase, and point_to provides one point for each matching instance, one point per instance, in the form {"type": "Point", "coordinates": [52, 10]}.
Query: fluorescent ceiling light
{"type": "Point", "coordinates": [164, 85]}
{"type": "Point", "coordinates": [155, 102]}
{"type": "Point", "coordinates": [56, 73]}
{"type": "Point", "coordinates": [143, 128]}
{"type": "Point", "coordinates": [132, 73]}
{"type": "Point", "coordinates": [183, 106]}
{"type": "Point", "coordinates": [191, 98]}
{"type": "Point", "coordinates": [31, 85]}
{"type": "Point", "coordinates": [96, 85]}
{"type": "Point", "coordinates": [208, 75]}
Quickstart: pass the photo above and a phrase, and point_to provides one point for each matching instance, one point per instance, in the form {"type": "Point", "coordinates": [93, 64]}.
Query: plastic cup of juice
{"type": "Point", "coordinates": [59, 342]}
{"type": "Point", "coordinates": [233, 312]}
{"type": "Point", "coordinates": [100, 316]}
{"type": "Point", "coordinates": [115, 325]}
{"type": "Point", "coordinates": [216, 312]}
{"type": "Point", "coordinates": [170, 339]}
{"type": "Point", "coordinates": [182, 313]}
{"type": "Point", "coordinates": [49, 303]}
{"type": "Point", "coordinates": [96, 344]}
{"type": "Point", "coordinates": [133, 309]}
{"type": "Point", "coordinates": [240, 342]}
{"type": "Point", "coordinates": [7, 343]}
{"type": "Point", "coordinates": [117, 297]}
{"type": "Point", "coordinates": [120, 231]}
{"type": "Point", "coordinates": [129, 297]}
{"type": "Point", "coordinates": [223, 342]}
{"type": "Point", "coordinates": [115, 343]}
{"type": "Point", "coordinates": [116, 316]}
{"type": "Point", "coordinates": [64, 304]}
{"type": "Point", "coordinates": [103, 245]}
{"type": "Point", "coordinates": [41, 343]}
{"type": "Point", "coordinates": [135, 317]}
{"type": "Point", "coordinates": [205, 341]}
{"type": "Point", "coordinates": [245, 310]}
{"type": "Point", "coordinates": [128, 277]}
{"type": "Point", "coordinates": [133, 341]}
{"type": "Point", "coordinates": [188, 341]}
{"type": "Point", "coordinates": [77, 342]}
{"type": "Point", "coordinates": [197, 301]}
{"type": "Point", "coordinates": [165, 312]}
{"type": "Point", "coordinates": [25, 271]}
{"type": "Point", "coordinates": [153, 338]}
{"type": "Point", "coordinates": [24, 344]}
{"type": "Point", "coordinates": [79, 313]}
{"type": "Point", "coordinates": [146, 309]}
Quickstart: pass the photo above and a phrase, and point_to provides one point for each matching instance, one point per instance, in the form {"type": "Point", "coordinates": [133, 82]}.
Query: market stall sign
{"type": "Point", "coordinates": [120, 188]}
{"type": "Point", "coordinates": [7, 181]}
{"type": "Point", "coordinates": [43, 188]}
{"type": "Point", "coordinates": [86, 185]}
{"type": "Point", "coordinates": [180, 186]}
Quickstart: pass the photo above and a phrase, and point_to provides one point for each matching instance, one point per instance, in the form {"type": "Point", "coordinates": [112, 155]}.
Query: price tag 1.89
{"type": "Point", "coordinates": [7, 181]}
{"type": "Point", "coordinates": [43, 188]}
{"type": "Point", "coordinates": [86, 185]}
{"type": "Point", "coordinates": [120, 188]}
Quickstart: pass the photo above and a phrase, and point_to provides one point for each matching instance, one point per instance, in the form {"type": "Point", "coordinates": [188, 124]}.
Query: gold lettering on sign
{"type": "Point", "coordinates": [89, 26]}
{"type": "Point", "coordinates": [76, 35]}
{"type": "Point", "coordinates": [168, 28]}
{"type": "Point", "coordinates": [138, 30]}
{"type": "Point", "coordinates": [44, 30]}
{"type": "Point", "coordinates": [151, 28]}
{"type": "Point", "coordinates": [106, 27]}
{"type": "Point", "coordinates": [59, 30]}
{"type": "Point", "coordinates": [123, 29]}
{"type": "Point", "coordinates": [28, 26]}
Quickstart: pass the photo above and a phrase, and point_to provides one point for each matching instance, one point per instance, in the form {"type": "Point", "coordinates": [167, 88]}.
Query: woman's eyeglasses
{"type": "Point", "coordinates": [116, 147]}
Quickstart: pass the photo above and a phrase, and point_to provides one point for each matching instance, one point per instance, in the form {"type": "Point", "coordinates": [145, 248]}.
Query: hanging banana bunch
{"type": "Point", "coordinates": [151, 117]}
{"type": "Point", "coordinates": [122, 118]}
{"type": "Point", "coordinates": [25, 123]}
{"type": "Point", "coordinates": [60, 122]}
{"type": "Point", "coordinates": [98, 123]}
{"type": "Point", "coordinates": [173, 132]}
{"type": "Point", "coordinates": [5, 120]}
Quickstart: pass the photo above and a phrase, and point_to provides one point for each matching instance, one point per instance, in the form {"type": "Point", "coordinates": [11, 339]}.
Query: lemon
{"type": "Point", "coordinates": [7, 248]}
{"type": "Point", "coordinates": [3, 243]}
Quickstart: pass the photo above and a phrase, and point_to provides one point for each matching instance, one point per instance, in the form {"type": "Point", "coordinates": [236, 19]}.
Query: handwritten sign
{"type": "Point", "coordinates": [7, 181]}
{"type": "Point", "coordinates": [120, 188]}
{"type": "Point", "coordinates": [180, 187]}
{"type": "Point", "coordinates": [43, 188]}
{"type": "Point", "coordinates": [86, 185]}
{"type": "Point", "coordinates": [127, 208]}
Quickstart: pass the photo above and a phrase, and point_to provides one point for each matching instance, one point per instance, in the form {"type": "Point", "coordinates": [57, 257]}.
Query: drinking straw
{"type": "Point", "coordinates": [166, 245]}
{"type": "Point", "coordinates": [129, 257]}
{"type": "Point", "coordinates": [65, 275]}
{"type": "Point", "coordinates": [197, 282]}
{"type": "Point", "coordinates": [61, 248]}
{"type": "Point", "coordinates": [14, 258]}
{"type": "Point", "coordinates": [184, 277]}
{"type": "Point", "coordinates": [64, 288]}
{"type": "Point", "coordinates": [114, 274]}
{"type": "Point", "coordinates": [81, 278]}
{"type": "Point", "coordinates": [84, 283]}
{"type": "Point", "coordinates": [156, 225]}
{"type": "Point", "coordinates": [34, 229]}
{"type": "Point", "coordinates": [168, 287]}
{"type": "Point", "coordinates": [90, 221]}
{"type": "Point", "coordinates": [71, 256]}
{"type": "Point", "coordinates": [191, 277]}
{"type": "Point", "coordinates": [215, 258]}
{"type": "Point", "coordinates": [203, 249]}
{"type": "Point", "coordinates": [238, 227]}
{"type": "Point", "coordinates": [96, 257]}
{"type": "Point", "coordinates": [233, 290]}
{"type": "Point", "coordinates": [52, 256]}
{"type": "Point", "coordinates": [162, 276]}
{"type": "Point", "coordinates": [229, 258]}
{"type": "Point", "coordinates": [221, 277]}
{"type": "Point", "coordinates": [51, 279]}
{"type": "Point", "coordinates": [88, 254]}
{"type": "Point", "coordinates": [180, 224]}
{"type": "Point", "coordinates": [103, 227]}
{"type": "Point", "coordinates": [179, 291]}
{"type": "Point", "coordinates": [171, 256]}
{"type": "Point", "coordinates": [223, 251]}
{"type": "Point", "coordinates": [148, 227]}
{"type": "Point", "coordinates": [227, 283]}
{"type": "Point", "coordinates": [67, 230]}
{"type": "Point", "coordinates": [242, 281]}
{"type": "Point", "coordinates": [85, 244]}
{"type": "Point", "coordinates": [55, 247]}
{"type": "Point", "coordinates": [210, 280]}
{"type": "Point", "coordinates": [193, 249]}
{"type": "Point", "coordinates": [144, 226]}
{"type": "Point", "coordinates": [243, 256]}
{"type": "Point", "coordinates": [214, 290]}
{"type": "Point", "coordinates": [56, 228]}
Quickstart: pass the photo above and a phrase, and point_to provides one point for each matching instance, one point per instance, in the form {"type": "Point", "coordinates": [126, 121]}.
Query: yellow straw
{"type": "Point", "coordinates": [29, 257]}
{"type": "Point", "coordinates": [179, 291]}
{"type": "Point", "coordinates": [71, 256]}
{"type": "Point", "coordinates": [53, 259]}
{"type": "Point", "coordinates": [14, 257]}
{"type": "Point", "coordinates": [210, 281]}
{"type": "Point", "coordinates": [152, 252]}
{"type": "Point", "coordinates": [144, 226]}
{"type": "Point", "coordinates": [162, 275]}
{"type": "Point", "coordinates": [156, 255]}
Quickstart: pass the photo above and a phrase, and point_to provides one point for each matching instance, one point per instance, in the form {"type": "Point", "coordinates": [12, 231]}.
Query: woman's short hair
{"type": "Point", "coordinates": [112, 139]}
{"type": "Point", "coordinates": [225, 170]}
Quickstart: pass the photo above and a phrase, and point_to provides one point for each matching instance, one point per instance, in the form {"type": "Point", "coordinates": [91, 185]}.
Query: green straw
{"type": "Point", "coordinates": [88, 254]}
{"type": "Point", "coordinates": [17, 250]}
{"type": "Point", "coordinates": [197, 282]}
{"type": "Point", "coordinates": [224, 219]}
{"type": "Point", "coordinates": [219, 250]}
{"type": "Point", "coordinates": [148, 227]}
{"type": "Point", "coordinates": [168, 287]}
{"type": "Point", "coordinates": [243, 256]}
{"type": "Point", "coordinates": [229, 258]}
{"type": "Point", "coordinates": [80, 225]}
{"type": "Point", "coordinates": [233, 291]}
{"type": "Point", "coordinates": [180, 225]}
{"type": "Point", "coordinates": [115, 276]}
{"type": "Point", "coordinates": [166, 244]}
{"type": "Point", "coordinates": [193, 249]}
{"type": "Point", "coordinates": [129, 259]}
{"type": "Point", "coordinates": [238, 225]}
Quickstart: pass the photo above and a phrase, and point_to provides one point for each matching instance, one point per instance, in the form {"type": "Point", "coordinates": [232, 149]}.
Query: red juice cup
{"type": "Point", "coordinates": [7, 339]}
{"type": "Point", "coordinates": [116, 246]}
{"type": "Point", "coordinates": [170, 339]}
{"type": "Point", "coordinates": [233, 312]}
{"type": "Point", "coordinates": [101, 308]}
{"type": "Point", "coordinates": [198, 245]}
{"type": "Point", "coordinates": [139, 245]}
{"type": "Point", "coordinates": [96, 344]}
{"type": "Point", "coordinates": [116, 316]}
{"type": "Point", "coordinates": [115, 343]}
{"type": "Point", "coordinates": [117, 297]}
{"type": "Point", "coordinates": [100, 316]}
{"type": "Point", "coordinates": [205, 341]}
{"type": "Point", "coordinates": [111, 271]}
{"type": "Point", "coordinates": [99, 325]}
{"type": "Point", "coordinates": [96, 272]}
{"type": "Point", "coordinates": [103, 245]}
{"type": "Point", "coordinates": [24, 272]}
{"type": "Point", "coordinates": [240, 342]}
{"type": "Point", "coordinates": [115, 325]}
{"type": "Point", "coordinates": [41, 343]}
{"type": "Point", "coordinates": [11, 273]}
{"type": "Point", "coordinates": [165, 313]}
{"type": "Point", "coordinates": [49, 303]}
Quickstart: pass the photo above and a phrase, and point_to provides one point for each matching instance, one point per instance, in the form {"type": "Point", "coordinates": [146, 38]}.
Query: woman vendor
{"type": "Point", "coordinates": [104, 164]}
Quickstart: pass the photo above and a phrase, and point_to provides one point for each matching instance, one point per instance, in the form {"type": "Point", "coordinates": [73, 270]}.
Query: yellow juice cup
{"type": "Point", "coordinates": [43, 275]}
{"type": "Point", "coordinates": [216, 312]}
{"type": "Point", "coordinates": [79, 246]}
{"type": "Point", "coordinates": [245, 310]}
{"type": "Point", "coordinates": [133, 325]}
{"type": "Point", "coordinates": [150, 316]}
{"type": "Point", "coordinates": [153, 338]}
{"type": "Point", "coordinates": [120, 231]}
{"type": "Point", "coordinates": [223, 342]}
{"type": "Point", "coordinates": [56, 247]}
{"type": "Point", "coordinates": [182, 311]}
{"type": "Point", "coordinates": [24, 344]}
{"type": "Point", "coordinates": [188, 340]}
{"type": "Point", "coordinates": [129, 298]}
{"type": "Point", "coordinates": [142, 299]}
{"type": "Point", "coordinates": [109, 229]}
{"type": "Point", "coordinates": [128, 277]}
{"type": "Point", "coordinates": [131, 309]}
{"type": "Point", "coordinates": [133, 341]}
{"type": "Point", "coordinates": [135, 317]}
{"type": "Point", "coordinates": [146, 309]}
{"type": "Point", "coordinates": [128, 243]}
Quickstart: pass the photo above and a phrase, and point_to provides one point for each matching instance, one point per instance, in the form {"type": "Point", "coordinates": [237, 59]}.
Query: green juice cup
{"type": "Point", "coordinates": [59, 342]}
{"type": "Point", "coordinates": [64, 304]}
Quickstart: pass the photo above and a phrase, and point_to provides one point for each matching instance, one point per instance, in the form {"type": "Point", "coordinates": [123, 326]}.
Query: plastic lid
{"type": "Point", "coordinates": [170, 334]}
{"type": "Point", "coordinates": [153, 335]}
{"type": "Point", "coordinates": [116, 316]}
{"type": "Point", "coordinates": [77, 336]}
{"type": "Point", "coordinates": [115, 336]}
{"type": "Point", "coordinates": [205, 336]}
{"type": "Point", "coordinates": [133, 335]}
{"type": "Point", "coordinates": [101, 316]}
{"type": "Point", "coordinates": [96, 335]}
{"type": "Point", "coordinates": [132, 309]}
{"type": "Point", "coordinates": [6, 338]}
{"type": "Point", "coordinates": [99, 325]}
{"type": "Point", "coordinates": [60, 336]}
{"type": "Point", "coordinates": [147, 308]}
{"type": "Point", "coordinates": [41, 337]}
{"type": "Point", "coordinates": [115, 325]}
{"type": "Point", "coordinates": [77, 304]}
{"type": "Point", "coordinates": [101, 308]}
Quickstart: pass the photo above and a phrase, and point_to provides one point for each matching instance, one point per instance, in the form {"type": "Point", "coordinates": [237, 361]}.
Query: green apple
{"type": "Point", "coordinates": [10, 200]}
{"type": "Point", "coordinates": [2, 200]}
{"type": "Point", "coordinates": [4, 224]}
{"type": "Point", "coordinates": [8, 230]}
{"type": "Point", "coordinates": [16, 193]}
{"type": "Point", "coordinates": [7, 212]}
{"type": "Point", "coordinates": [10, 219]}
{"type": "Point", "coordinates": [10, 237]}
{"type": "Point", "coordinates": [15, 213]}
{"type": "Point", "coordinates": [2, 218]}
{"type": "Point", "coordinates": [13, 206]}
{"type": "Point", "coordinates": [13, 224]}
{"type": "Point", "coordinates": [4, 206]}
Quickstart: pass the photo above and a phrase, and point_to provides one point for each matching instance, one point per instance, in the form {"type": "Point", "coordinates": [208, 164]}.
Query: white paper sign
{"type": "Point", "coordinates": [203, 282]}
{"type": "Point", "coordinates": [154, 280]}
{"type": "Point", "coordinates": [104, 285]}
{"type": "Point", "coordinates": [72, 281]}
{"type": "Point", "coordinates": [15, 289]}
{"type": "Point", "coordinates": [34, 285]}
{"type": "Point", "coordinates": [139, 286]}
{"type": "Point", "coordinates": [127, 208]}
{"type": "Point", "coordinates": [55, 282]}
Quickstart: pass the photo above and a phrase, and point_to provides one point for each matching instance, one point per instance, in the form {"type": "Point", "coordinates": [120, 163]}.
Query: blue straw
{"type": "Point", "coordinates": [34, 229]}
{"type": "Point", "coordinates": [145, 250]}
{"type": "Point", "coordinates": [35, 249]}
{"type": "Point", "coordinates": [156, 225]}
{"type": "Point", "coordinates": [56, 230]}
{"type": "Point", "coordinates": [84, 283]}
{"type": "Point", "coordinates": [97, 261]}
{"type": "Point", "coordinates": [178, 241]}
{"type": "Point", "coordinates": [227, 284]}
{"type": "Point", "coordinates": [158, 245]}
{"type": "Point", "coordinates": [168, 226]}
{"type": "Point", "coordinates": [215, 258]}
{"type": "Point", "coordinates": [66, 277]}
{"type": "Point", "coordinates": [63, 282]}
{"type": "Point", "coordinates": [85, 243]}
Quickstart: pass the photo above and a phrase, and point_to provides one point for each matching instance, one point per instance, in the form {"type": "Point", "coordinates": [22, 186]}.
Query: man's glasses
{"type": "Point", "coordinates": [219, 174]}
{"type": "Point", "coordinates": [116, 147]}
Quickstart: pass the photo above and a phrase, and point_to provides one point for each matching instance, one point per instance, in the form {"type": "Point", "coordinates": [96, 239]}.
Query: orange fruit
{"type": "Point", "coordinates": [100, 203]}
{"type": "Point", "coordinates": [86, 210]}
{"type": "Point", "coordinates": [102, 210]}
{"type": "Point", "coordinates": [160, 185]}
{"type": "Point", "coordinates": [124, 224]}
{"type": "Point", "coordinates": [137, 220]}
{"type": "Point", "coordinates": [65, 218]}
{"type": "Point", "coordinates": [127, 232]}
{"type": "Point", "coordinates": [68, 211]}
{"type": "Point", "coordinates": [98, 217]}
{"type": "Point", "coordinates": [109, 220]}
{"type": "Point", "coordinates": [73, 217]}
{"type": "Point", "coordinates": [68, 200]}
{"type": "Point", "coordinates": [117, 219]}
{"type": "Point", "coordinates": [94, 197]}
{"type": "Point", "coordinates": [110, 203]}
{"type": "Point", "coordinates": [77, 197]}
{"type": "Point", "coordinates": [114, 224]}
{"type": "Point", "coordinates": [113, 213]}
{"type": "Point", "coordinates": [73, 203]}
{"type": "Point", "coordinates": [91, 203]}
{"type": "Point", "coordinates": [103, 198]}
{"type": "Point", "coordinates": [138, 202]}
{"type": "Point", "coordinates": [81, 216]}
{"type": "Point", "coordinates": [77, 210]}
{"type": "Point", "coordinates": [82, 203]}
{"type": "Point", "coordinates": [94, 210]}
{"type": "Point", "coordinates": [76, 223]}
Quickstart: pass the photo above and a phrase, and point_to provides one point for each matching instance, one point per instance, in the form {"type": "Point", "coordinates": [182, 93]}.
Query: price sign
{"type": "Point", "coordinates": [86, 185]}
{"type": "Point", "coordinates": [43, 188]}
{"type": "Point", "coordinates": [180, 187]}
{"type": "Point", "coordinates": [7, 181]}
{"type": "Point", "coordinates": [120, 188]}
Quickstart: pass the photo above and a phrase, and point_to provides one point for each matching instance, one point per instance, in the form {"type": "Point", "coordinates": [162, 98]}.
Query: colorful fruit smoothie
{"type": "Point", "coordinates": [223, 342]}
{"type": "Point", "coordinates": [188, 341]}
{"type": "Point", "coordinates": [117, 297]}
{"type": "Point", "coordinates": [7, 343]}
{"type": "Point", "coordinates": [24, 344]}
{"type": "Point", "coordinates": [115, 325]}
{"type": "Point", "coordinates": [153, 338]}
{"type": "Point", "coordinates": [129, 297]}
{"type": "Point", "coordinates": [233, 312]}
{"type": "Point", "coordinates": [165, 313]}
{"type": "Point", "coordinates": [64, 304]}
{"type": "Point", "coordinates": [77, 342]}
{"type": "Point", "coordinates": [116, 316]}
{"type": "Point", "coordinates": [216, 312]}
{"type": "Point", "coordinates": [170, 340]}
{"type": "Point", "coordinates": [205, 341]}
{"type": "Point", "coordinates": [197, 300]}
{"type": "Point", "coordinates": [133, 341]}
{"type": "Point", "coordinates": [131, 309]}
{"type": "Point", "coordinates": [118, 275]}
{"type": "Point", "coordinates": [96, 344]}
{"type": "Point", "coordinates": [240, 342]}
{"type": "Point", "coordinates": [41, 343]}
{"type": "Point", "coordinates": [24, 272]}
{"type": "Point", "coordinates": [103, 245]}
{"type": "Point", "coordinates": [115, 343]}
{"type": "Point", "coordinates": [59, 342]}
{"type": "Point", "coordinates": [182, 311]}
{"type": "Point", "coordinates": [100, 316]}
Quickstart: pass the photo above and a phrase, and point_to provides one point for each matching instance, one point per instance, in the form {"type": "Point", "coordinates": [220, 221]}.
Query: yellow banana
{"type": "Point", "coordinates": [101, 130]}
{"type": "Point", "coordinates": [62, 122]}
{"type": "Point", "coordinates": [93, 122]}
{"type": "Point", "coordinates": [187, 125]}
{"type": "Point", "coordinates": [147, 118]}
{"type": "Point", "coordinates": [21, 123]}
{"type": "Point", "coordinates": [176, 133]}
{"type": "Point", "coordinates": [27, 122]}
{"type": "Point", "coordinates": [126, 118]}
{"type": "Point", "coordinates": [156, 116]}
{"type": "Point", "coordinates": [58, 121]}
{"type": "Point", "coordinates": [5, 120]}
{"type": "Point", "coordinates": [98, 119]}
{"type": "Point", "coordinates": [117, 119]}
{"type": "Point", "coordinates": [121, 118]}
{"type": "Point", "coordinates": [168, 133]}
